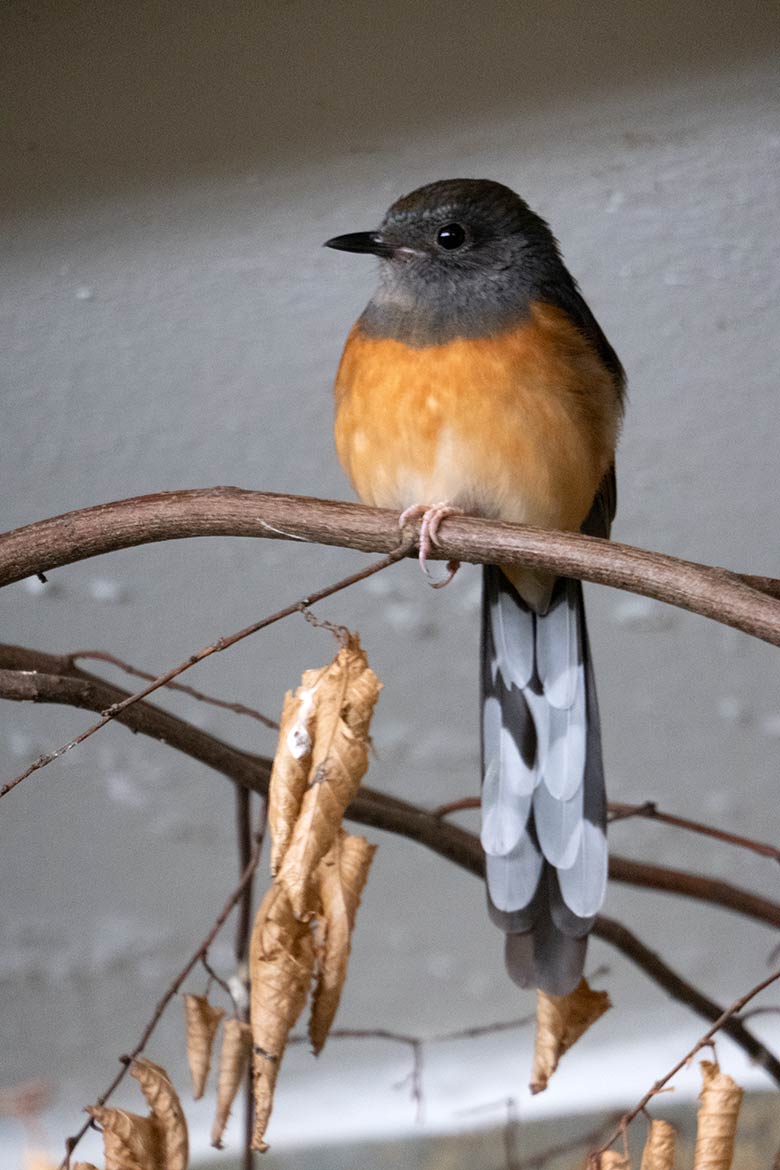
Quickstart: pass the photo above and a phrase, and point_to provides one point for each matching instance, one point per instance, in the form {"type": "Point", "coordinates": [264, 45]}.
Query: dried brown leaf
{"type": "Point", "coordinates": [290, 773]}
{"type": "Point", "coordinates": [346, 695]}
{"type": "Point", "coordinates": [202, 1023]}
{"type": "Point", "coordinates": [342, 875]}
{"type": "Point", "coordinates": [130, 1142]}
{"type": "Point", "coordinates": [612, 1160]}
{"type": "Point", "coordinates": [281, 962]}
{"type": "Point", "coordinates": [658, 1153]}
{"type": "Point", "coordinates": [721, 1098]}
{"type": "Point", "coordinates": [84, 1166]}
{"type": "Point", "coordinates": [560, 1021]}
{"type": "Point", "coordinates": [236, 1046]}
{"type": "Point", "coordinates": [163, 1100]}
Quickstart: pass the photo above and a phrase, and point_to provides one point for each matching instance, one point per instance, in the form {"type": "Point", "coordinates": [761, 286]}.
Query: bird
{"type": "Point", "coordinates": [477, 380]}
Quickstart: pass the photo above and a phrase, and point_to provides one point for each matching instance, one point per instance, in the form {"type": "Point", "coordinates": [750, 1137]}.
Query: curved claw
{"type": "Point", "coordinates": [432, 517]}
{"type": "Point", "coordinates": [452, 568]}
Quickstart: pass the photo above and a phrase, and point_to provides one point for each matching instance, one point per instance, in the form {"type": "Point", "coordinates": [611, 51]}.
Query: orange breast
{"type": "Point", "coordinates": [520, 426]}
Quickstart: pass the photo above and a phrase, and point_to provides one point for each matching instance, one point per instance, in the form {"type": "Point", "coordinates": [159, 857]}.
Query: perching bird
{"type": "Point", "coordinates": [478, 380]}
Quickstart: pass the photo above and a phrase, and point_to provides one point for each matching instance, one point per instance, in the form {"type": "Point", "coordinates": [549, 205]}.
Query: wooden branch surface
{"type": "Point", "coordinates": [31, 675]}
{"type": "Point", "coordinates": [34, 676]}
{"type": "Point", "coordinates": [748, 603]}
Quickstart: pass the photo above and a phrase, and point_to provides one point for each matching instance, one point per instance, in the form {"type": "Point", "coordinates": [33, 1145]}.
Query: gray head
{"type": "Point", "coordinates": [459, 258]}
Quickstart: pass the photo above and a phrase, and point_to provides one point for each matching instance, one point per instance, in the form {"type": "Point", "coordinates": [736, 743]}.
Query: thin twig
{"type": "Point", "coordinates": [216, 647]}
{"type": "Point", "coordinates": [594, 1158]}
{"type": "Point", "coordinates": [417, 1044]}
{"type": "Point", "coordinates": [696, 885]}
{"type": "Point", "coordinates": [172, 990]}
{"type": "Point", "coordinates": [747, 602]}
{"type": "Point", "coordinates": [655, 968]}
{"type": "Point", "coordinates": [465, 804]}
{"type": "Point", "coordinates": [649, 810]}
{"type": "Point", "coordinates": [215, 977]}
{"type": "Point", "coordinates": [241, 949]}
{"type": "Point", "coordinates": [28, 682]}
{"type": "Point", "coordinates": [511, 1126]}
{"type": "Point", "coordinates": [201, 696]}
{"type": "Point", "coordinates": [29, 679]}
{"type": "Point", "coordinates": [584, 1140]}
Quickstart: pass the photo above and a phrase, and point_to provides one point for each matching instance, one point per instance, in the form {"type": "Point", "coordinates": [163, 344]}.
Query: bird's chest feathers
{"type": "Point", "coordinates": [498, 426]}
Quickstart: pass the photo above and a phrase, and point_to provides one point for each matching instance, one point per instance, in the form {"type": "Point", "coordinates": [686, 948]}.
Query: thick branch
{"type": "Point", "coordinates": [33, 676]}
{"type": "Point", "coordinates": [675, 986]}
{"type": "Point", "coordinates": [748, 603]}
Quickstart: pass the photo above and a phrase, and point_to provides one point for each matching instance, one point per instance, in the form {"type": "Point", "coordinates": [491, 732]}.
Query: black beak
{"type": "Point", "coordinates": [360, 242]}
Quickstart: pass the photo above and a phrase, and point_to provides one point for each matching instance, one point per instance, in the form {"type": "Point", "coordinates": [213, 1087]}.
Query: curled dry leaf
{"type": "Point", "coordinates": [612, 1160]}
{"type": "Point", "coordinates": [341, 875]}
{"type": "Point", "coordinates": [236, 1046]}
{"type": "Point", "coordinates": [281, 962]}
{"type": "Point", "coordinates": [290, 773]}
{"type": "Point", "coordinates": [35, 1159]}
{"type": "Point", "coordinates": [346, 694]}
{"type": "Point", "coordinates": [721, 1098]}
{"type": "Point", "coordinates": [130, 1142]}
{"type": "Point", "coordinates": [560, 1021]}
{"type": "Point", "coordinates": [163, 1100]}
{"type": "Point", "coordinates": [202, 1023]}
{"type": "Point", "coordinates": [658, 1153]}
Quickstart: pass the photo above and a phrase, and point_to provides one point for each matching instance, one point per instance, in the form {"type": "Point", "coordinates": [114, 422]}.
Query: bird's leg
{"type": "Point", "coordinates": [432, 516]}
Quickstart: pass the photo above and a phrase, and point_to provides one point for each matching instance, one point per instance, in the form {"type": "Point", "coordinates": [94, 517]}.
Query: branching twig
{"type": "Point", "coordinates": [649, 810]}
{"type": "Point", "coordinates": [747, 602]}
{"type": "Point", "coordinates": [216, 647]}
{"type": "Point", "coordinates": [584, 1141]}
{"type": "Point", "coordinates": [622, 812]}
{"type": "Point", "coordinates": [26, 680]}
{"type": "Point", "coordinates": [655, 968]}
{"type": "Point", "coordinates": [172, 989]}
{"type": "Point", "coordinates": [201, 696]}
{"type": "Point", "coordinates": [416, 1044]}
{"type": "Point", "coordinates": [727, 1016]}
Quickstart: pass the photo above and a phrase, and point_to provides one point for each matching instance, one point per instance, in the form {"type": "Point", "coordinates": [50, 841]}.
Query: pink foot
{"type": "Point", "coordinates": [432, 517]}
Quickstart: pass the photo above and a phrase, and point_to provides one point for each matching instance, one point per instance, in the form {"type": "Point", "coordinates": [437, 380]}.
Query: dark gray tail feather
{"type": "Point", "coordinates": [543, 800]}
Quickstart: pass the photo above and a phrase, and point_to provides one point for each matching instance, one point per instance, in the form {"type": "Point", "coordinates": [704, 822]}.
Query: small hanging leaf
{"type": "Point", "coordinates": [130, 1142]}
{"type": "Point", "coordinates": [612, 1160]}
{"type": "Point", "coordinates": [281, 962]}
{"type": "Point", "coordinates": [236, 1047]}
{"type": "Point", "coordinates": [658, 1153]}
{"type": "Point", "coordinates": [290, 773]}
{"type": "Point", "coordinates": [346, 695]}
{"type": "Point", "coordinates": [721, 1098]}
{"type": "Point", "coordinates": [166, 1108]}
{"type": "Point", "coordinates": [342, 875]}
{"type": "Point", "coordinates": [560, 1021]}
{"type": "Point", "coordinates": [202, 1023]}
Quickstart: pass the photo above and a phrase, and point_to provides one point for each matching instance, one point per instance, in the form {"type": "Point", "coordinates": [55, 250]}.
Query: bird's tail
{"type": "Point", "coordinates": [543, 799]}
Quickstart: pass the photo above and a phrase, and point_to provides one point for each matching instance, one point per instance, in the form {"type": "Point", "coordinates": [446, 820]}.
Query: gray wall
{"type": "Point", "coordinates": [169, 319]}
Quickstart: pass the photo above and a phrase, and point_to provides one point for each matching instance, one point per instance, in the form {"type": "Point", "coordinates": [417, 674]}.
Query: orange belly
{"type": "Point", "coordinates": [520, 426]}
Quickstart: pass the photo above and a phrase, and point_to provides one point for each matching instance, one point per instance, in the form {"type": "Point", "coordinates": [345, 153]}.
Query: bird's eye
{"type": "Point", "coordinates": [451, 236]}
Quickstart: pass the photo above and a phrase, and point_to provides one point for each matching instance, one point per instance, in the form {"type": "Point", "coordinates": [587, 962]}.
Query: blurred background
{"type": "Point", "coordinates": [169, 319]}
